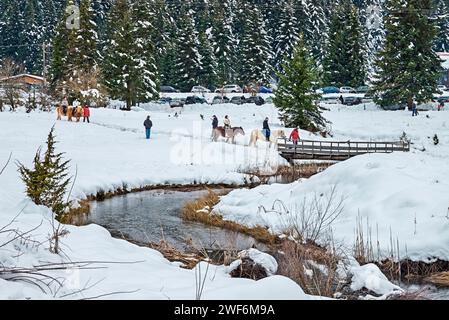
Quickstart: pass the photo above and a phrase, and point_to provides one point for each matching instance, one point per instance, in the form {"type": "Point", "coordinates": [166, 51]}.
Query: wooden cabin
{"type": "Point", "coordinates": [25, 81]}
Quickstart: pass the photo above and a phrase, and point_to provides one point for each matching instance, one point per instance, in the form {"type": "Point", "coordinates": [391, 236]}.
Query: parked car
{"type": "Point", "coordinates": [231, 88]}
{"type": "Point", "coordinates": [238, 100]}
{"type": "Point", "coordinates": [168, 89]}
{"type": "Point", "coordinates": [200, 89]}
{"type": "Point", "coordinates": [442, 87]}
{"type": "Point", "coordinates": [444, 99]}
{"type": "Point", "coordinates": [177, 103]}
{"type": "Point", "coordinates": [347, 90]}
{"type": "Point", "coordinates": [164, 100]}
{"type": "Point", "coordinates": [263, 89]}
{"type": "Point", "coordinates": [220, 100]}
{"type": "Point", "coordinates": [327, 90]}
{"type": "Point", "coordinates": [195, 100]}
{"type": "Point", "coordinates": [362, 89]}
{"type": "Point", "coordinates": [352, 101]}
{"type": "Point", "coordinates": [259, 101]}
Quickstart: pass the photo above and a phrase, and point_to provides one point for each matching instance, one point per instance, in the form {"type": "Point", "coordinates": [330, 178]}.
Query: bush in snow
{"type": "Point", "coordinates": [46, 183]}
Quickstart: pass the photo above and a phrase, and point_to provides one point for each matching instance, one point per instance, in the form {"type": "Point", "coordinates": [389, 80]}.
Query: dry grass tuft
{"type": "Point", "coordinates": [200, 210]}
{"type": "Point", "coordinates": [312, 267]}
{"type": "Point", "coordinates": [439, 279]}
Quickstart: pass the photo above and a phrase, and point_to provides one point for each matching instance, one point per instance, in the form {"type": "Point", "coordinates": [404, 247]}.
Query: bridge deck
{"type": "Point", "coordinates": [337, 150]}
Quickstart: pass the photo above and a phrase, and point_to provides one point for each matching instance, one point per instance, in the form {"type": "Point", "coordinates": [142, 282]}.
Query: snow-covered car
{"type": "Point", "coordinates": [238, 100]}
{"type": "Point", "coordinates": [347, 90]}
{"type": "Point", "coordinates": [220, 100]}
{"type": "Point", "coordinates": [230, 88]}
{"type": "Point", "coordinates": [200, 89]}
{"type": "Point", "coordinates": [168, 89]}
{"type": "Point", "coordinates": [362, 89]}
{"type": "Point", "coordinates": [177, 103]}
{"type": "Point", "coordinates": [442, 87]}
{"type": "Point", "coordinates": [259, 101]}
{"type": "Point", "coordinates": [195, 100]}
{"type": "Point", "coordinates": [352, 101]}
{"type": "Point", "coordinates": [164, 100]}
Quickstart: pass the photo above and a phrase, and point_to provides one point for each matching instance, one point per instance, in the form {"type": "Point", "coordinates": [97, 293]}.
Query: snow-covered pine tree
{"type": "Point", "coordinates": [208, 75]}
{"type": "Point", "coordinates": [129, 70]}
{"type": "Point", "coordinates": [344, 62]}
{"type": "Point", "coordinates": [375, 31]}
{"type": "Point", "coordinates": [442, 16]}
{"type": "Point", "coordinates": [223, 41]}
{"type": "Point", "coordinates": [295, 97]}
{"type": "Point", "coordinates": [255, 52]}
{"type": "Point", "coordinates": [286, 33]}
{"type": "Point", "coordinates": [408, 66]}
{"type": "Point", "coordinates": [11, 24]}
{"type": "Point", "coordinates": [31, 38]}
{"type": "Point", "coordinates": [63, 46]}
{"type": "Point", "coordinates": [188, 60]}
{"type": "Point", "coordinates": [85, 55]}
{"type": "Point", "coordinates": [143, 52]}
{"type": "Point", "coordinates": [316, 28]}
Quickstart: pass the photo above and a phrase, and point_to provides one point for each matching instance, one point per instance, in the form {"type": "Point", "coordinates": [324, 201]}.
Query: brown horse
{"type": "Point", "coordinates": [227, 133]}
{"type": "Point", "coordinates": [71, 112]}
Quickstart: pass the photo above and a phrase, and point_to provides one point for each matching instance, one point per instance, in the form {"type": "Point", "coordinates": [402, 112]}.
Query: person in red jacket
{"type": "Point", "coordinates": [294, 136]}
{"type": "Point", "coordinates": [86, 114]}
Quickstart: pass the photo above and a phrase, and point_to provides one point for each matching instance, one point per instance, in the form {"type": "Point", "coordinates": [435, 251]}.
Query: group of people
{"type": "Point", "coordinates": [294, 136]}
{"type": "Point", "coordinates": [86, 109]}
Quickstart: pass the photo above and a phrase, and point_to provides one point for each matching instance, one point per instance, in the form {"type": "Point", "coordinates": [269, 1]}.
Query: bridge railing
{"type": "Point", "coordinates": [340, 149]}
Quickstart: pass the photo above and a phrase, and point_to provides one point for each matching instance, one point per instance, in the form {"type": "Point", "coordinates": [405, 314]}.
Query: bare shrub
{"type": "Point", "coordinates": [11, 90]}
{"type": "Point", "coordinates": [314, 268]}
{"type": "Point", "coordinates": [312, 219]}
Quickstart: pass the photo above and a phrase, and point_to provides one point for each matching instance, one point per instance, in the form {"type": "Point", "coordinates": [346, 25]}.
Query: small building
{"type": "Point", "coordinates": [445, 76]}
{"type": "Point", "coordinates": [25, 81]}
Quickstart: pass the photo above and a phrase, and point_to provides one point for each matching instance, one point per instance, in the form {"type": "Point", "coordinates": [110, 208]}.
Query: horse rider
{"type": "Point", "coordinates": [266, 129]}
{"type": "Point", "coordinates": [227, 123]}
{"type": "Point", "coordinates": [214, 124]}
{"type": "Point", "coordinates": [64, 105]}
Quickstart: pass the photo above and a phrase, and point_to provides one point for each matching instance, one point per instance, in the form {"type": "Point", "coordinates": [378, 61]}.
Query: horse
{"type": "Point", "coordinates": [259, 135]}
{"type": "Point", "coordinates": [71, 112]}
{"type": "Point", "coordinates": [227, 133]}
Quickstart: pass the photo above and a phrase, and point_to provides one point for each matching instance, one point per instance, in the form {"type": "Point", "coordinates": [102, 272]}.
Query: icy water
{"type": "Point", "coordinates": [429, 291]}
{"type": "Point", "coordinates": [152, 216]}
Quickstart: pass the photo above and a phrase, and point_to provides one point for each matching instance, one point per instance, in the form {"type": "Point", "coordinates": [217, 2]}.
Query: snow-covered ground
{"type": "Point", "coordinates": [402, 198]}
{"type": "Point", "coordinates": [107, 153]}
{"type": "Point", "coordinates": [392, 190]}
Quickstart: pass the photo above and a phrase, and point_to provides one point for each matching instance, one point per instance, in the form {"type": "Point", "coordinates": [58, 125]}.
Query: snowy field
{"type": "Point", "coordinates": [394, 191]}
{"type": "Point", "coordinates": [401, 196]}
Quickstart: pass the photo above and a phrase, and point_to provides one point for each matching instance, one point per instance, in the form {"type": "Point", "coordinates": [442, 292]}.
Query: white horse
{"type": "Point", "coordinates": [227, 133]}
{"type": "Point", "coordinates": [259, 135]}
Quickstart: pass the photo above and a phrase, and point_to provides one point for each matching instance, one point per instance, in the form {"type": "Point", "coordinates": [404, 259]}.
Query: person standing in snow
{"type": "Point", "coordinates": [227, 123]}
{"type": "Point", "coordinates": [214, 124]}
{"type": "Point", "coordinates": [266, 129]}
{"type": "Point", "coordinates": [64, 104]}
{"type": "Point", "coordinates": [294, 136]}
{"type": "Point", "coordinates": [86, 113]}
{"type": "Point", "coordinates": [414, 109]}
{"type": "Point", "coordinates": [342, 100]}
{"type": "Point", "coordinates": [148, 124]}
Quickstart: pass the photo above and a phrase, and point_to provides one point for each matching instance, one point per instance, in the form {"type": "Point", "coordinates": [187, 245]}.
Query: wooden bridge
{"type": "Point", "coordinates": [338, 151]}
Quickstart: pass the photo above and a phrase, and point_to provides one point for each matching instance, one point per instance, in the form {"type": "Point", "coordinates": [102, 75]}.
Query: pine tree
{"type": "Point", "coordinates": [188, 60]}
{"type": "Point", "coordinates": [11, 25]}
{"type": "Point", "coordinates": [408, 66]}
{"type": "Point", "coordinates": [255, 53]}
{"type": "Point", "coordinates": [129, 69]}
{"type": "Point", "coordinates": [286, 33]}
{"type": "Point", "coordinates": [442, 38]}
{"type": "Point", "coordinates": [47, 182]}
{"type": "Point", "coordinates": [344, 62]}
{"type": "Point", "coordinates": [316, 28]}
{"type": "Point", "coordinates": [208, 76]}
{"type": "Point", "coordinates": [295, 97]}
{"type": "Point", "coordinates": [375, 31]}
{"type": "Point", "coordinates": [223, 41]}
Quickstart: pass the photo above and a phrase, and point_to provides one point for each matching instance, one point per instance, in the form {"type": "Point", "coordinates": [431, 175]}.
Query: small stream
{"type": "Point", "coordinates": [152, 216]}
